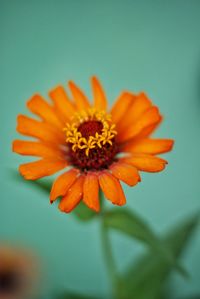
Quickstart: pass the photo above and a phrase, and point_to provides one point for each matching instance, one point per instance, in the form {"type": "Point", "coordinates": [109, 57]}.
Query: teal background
{"type": "Point", "coordinates": [135, 45]}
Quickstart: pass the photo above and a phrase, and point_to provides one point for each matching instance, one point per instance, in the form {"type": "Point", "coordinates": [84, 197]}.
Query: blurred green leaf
{"type": "Point", "coordinates": [187, 297]}
{"type": "Point", "coordinates": [169, 291]}
{"type": "Point", "coordinates": [42, 184]}
{"type": "Point", "coordinates": [145, 279]}
{"type": "Point", "coordinates": [129, 223]}
{"type": "Point", "coordinates": [82, 212]}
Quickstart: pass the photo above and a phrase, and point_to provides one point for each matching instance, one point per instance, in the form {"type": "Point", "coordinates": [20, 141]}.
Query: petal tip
{"type": "Point", "coordinates": [94, 79]}
{"type": "Point", "coordinates": [71, 84]}
{"type": "Point", "coordinates": [63, 209]}
{"type": "Point", "coordinates": [171, 144]}
{"type": "Point", "coordinates": [14, 144]}
{"type": "Point", "coordinates": [24, 174]}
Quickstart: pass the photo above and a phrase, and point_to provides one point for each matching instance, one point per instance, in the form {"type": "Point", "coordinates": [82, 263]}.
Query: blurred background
{"type": "Point", "coordinates": [150, 46]}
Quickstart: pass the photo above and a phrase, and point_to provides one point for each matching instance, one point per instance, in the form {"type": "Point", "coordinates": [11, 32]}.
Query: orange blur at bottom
{"type": "Point", "coordinates": [18, 273]}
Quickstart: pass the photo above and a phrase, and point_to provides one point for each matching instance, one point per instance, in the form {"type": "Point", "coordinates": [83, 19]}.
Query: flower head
{"type": "Point", "coordinates": [97, 147]}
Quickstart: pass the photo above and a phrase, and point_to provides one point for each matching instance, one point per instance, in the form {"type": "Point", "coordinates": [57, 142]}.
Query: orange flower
{"type": "Point", "coordinates": [99, 147]}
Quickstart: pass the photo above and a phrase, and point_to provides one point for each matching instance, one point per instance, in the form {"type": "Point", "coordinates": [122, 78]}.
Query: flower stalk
{"type": "Point", "coordinates": [108, 255]}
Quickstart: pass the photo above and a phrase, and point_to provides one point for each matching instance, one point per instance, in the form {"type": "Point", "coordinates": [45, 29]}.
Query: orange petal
{"type": "Point", "coordinates": [41, 168]}
{"type": "Point", "coordinates": [111, 187]}
{"type": "Point", "coordinates": [149, 146]}
{"type": "Point", "coordinates": [100, 101]}
{"type": "Point", "coordinates": [40, 107]}
{"type": "Point", "coordinates": [145, 162]}
{"type": "Point", "coordinates": [91, 192]}
{"type": "Point", "coordinates": [121, 106]}
{"type": "Point", "coordinates": [79, 97]}
{"type": "Point", "coordinates": [138, 107]}
{"type": "Point", "coordinates": [148, 118]}
{"type": "Point", "coordinates": [146, 132]}
{"type": "Point", "coordinates": [63, 183]}
{"type": "Point", "coordinates": [32, 148]}
{"type": "Point", "coordinates": [62, 102]}
{"type": "Point", "coordinates": [31, 127]}
{"type": "Point", "coordinates": [126, 173]}
{"type": "Point", "coordinates": [73, 196]}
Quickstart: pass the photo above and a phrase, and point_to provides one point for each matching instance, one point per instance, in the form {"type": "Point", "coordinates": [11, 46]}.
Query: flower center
{"type": "Point", "coordinates": [90, 128]}
{"type": "Point", "coordinates": [91, 139]}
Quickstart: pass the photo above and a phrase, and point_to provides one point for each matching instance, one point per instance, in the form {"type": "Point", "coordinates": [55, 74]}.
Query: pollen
{"type": "Point", "coordinates": [90, 129]}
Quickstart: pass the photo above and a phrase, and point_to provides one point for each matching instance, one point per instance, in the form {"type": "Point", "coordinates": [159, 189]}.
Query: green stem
{"type": "Point", "coordinates": [109, 259]}
{"type": "Point", "coordinates": [108, 253]}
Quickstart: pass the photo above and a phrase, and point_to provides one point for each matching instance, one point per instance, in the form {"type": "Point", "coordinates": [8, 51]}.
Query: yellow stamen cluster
{"type": "Point", "coordinates": [79, 142]}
